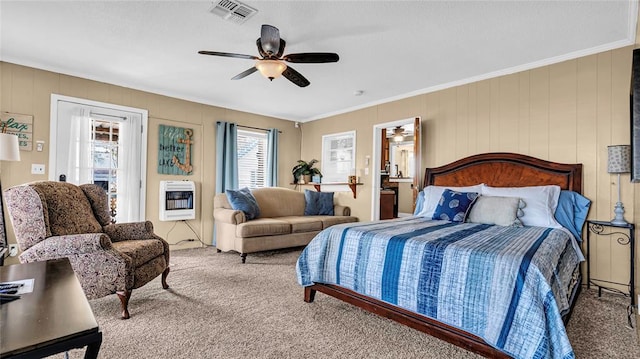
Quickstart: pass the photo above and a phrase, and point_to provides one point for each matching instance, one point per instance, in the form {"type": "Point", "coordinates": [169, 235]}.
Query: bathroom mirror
{"type": "Point", "coordinates": [401, 161]}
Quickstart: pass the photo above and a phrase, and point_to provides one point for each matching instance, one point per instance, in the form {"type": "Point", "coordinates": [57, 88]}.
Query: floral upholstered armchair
{"type": "Point", "coordinates": [56, 219]}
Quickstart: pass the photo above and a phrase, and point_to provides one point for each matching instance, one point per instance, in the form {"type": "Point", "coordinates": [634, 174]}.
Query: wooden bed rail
{"type": "Point", "coordinates": [413, 320]}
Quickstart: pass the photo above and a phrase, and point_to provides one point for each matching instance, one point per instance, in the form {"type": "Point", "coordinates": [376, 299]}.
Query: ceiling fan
{"type": "Point", "coordinates": [398, 134]}
{"type": "Point", "coordinates": [271, 63]}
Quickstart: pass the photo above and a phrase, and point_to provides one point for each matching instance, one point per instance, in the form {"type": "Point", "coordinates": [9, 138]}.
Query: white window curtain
{"type": "Point", "coordinates": [128, 183]}
{"type": "Point", "coordinates": [80, 160]}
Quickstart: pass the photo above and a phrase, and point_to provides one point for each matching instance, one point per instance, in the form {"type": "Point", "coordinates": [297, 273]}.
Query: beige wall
{"type": "Point", "coordinates": [27, 90]}
{"type": "Point", "coordinates": [567, 112]}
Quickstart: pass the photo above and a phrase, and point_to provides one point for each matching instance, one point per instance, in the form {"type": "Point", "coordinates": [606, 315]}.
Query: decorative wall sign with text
{"type": "Point", "coordinates": [174, 150]}
{"type": "Point", "coordinates": [20, 125]}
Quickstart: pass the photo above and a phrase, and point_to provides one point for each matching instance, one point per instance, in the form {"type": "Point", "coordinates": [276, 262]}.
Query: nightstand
{"type": "Point", "coordinates": [625, 236]}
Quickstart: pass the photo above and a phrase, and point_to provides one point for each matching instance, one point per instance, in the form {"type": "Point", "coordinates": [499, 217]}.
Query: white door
{"type": "Point", "coordinates": [105, 144]}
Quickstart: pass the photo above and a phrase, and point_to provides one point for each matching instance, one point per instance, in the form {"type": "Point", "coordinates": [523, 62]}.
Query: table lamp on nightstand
{"type": "Point", "coordinates": [619, 161]}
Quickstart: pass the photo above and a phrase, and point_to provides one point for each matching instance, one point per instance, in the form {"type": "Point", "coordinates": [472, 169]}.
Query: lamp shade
{"type": "Point", "coordinates": [9, 147]}
{"type": "Point", "coordinates": [619, 159]}
{"type": "Point", "coordinates": [271, 69]}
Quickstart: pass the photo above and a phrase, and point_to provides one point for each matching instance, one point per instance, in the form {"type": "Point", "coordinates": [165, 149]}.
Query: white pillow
{"type": "Point", "coordinates": [502, 211]}
{"type": "Point", "coordinates": [432, 196]}
{"type": "Point", "coordinates": [541, 203]}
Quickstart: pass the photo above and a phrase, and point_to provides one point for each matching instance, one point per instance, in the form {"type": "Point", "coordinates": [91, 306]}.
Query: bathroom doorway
{"type": "Point", "coordinates": [396, 168]}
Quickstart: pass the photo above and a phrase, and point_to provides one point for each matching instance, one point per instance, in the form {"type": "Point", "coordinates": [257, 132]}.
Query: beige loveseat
{"type": "Point", "coordinates": [281, 224]}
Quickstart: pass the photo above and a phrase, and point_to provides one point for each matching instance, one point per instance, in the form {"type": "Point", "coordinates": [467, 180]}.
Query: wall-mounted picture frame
{"type": "Point", "coordinates": [338, 157]}
{"type": "Point", "coordinates": [174, 150]}
{"type": "Point", "coordinates": [20, 125]}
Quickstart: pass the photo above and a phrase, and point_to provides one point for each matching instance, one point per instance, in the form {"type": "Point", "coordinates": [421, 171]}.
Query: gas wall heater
{"type": "Point", "coordinates": [177, 200]}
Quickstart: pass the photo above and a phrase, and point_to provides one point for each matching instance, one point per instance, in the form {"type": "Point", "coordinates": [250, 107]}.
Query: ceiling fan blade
{"type": "Point", "coordinates": [270, 39]}
{"type": "Point", "coordinates": [295, 77]}
{"type": "Point", "coordinates": [245, 73]}
{"type": "Point", "coordinates": [312, 57]}
{"type": "Point", "coordinates": [228, 54]}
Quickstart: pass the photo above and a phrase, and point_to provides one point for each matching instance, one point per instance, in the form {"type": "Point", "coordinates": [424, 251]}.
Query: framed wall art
{"type": "Point", "coordinates": [174, 150]}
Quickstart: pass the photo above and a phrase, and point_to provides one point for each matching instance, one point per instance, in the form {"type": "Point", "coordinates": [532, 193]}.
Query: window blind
{"type": "Point", "coordinates": [252, 159]}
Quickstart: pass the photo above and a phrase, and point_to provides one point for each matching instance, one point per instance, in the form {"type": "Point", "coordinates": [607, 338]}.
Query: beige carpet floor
{"type": "Point", "coordinates": [218, 307]}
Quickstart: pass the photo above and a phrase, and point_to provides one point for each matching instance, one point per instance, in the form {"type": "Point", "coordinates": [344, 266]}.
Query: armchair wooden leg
{"type": "Point", "coordinates": [124, 300]}
{"type": "Point", "coordinates": [244, 257]}
{"type": "Point", "coordinates": [164, 278]}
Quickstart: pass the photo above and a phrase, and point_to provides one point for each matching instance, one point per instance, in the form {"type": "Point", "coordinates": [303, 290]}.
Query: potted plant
{"type": "Point", "coordinates": [304, 170]}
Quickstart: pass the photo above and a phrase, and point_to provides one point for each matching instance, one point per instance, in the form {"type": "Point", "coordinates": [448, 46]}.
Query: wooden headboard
{"type": "Point", "coordinates": [502, 169]}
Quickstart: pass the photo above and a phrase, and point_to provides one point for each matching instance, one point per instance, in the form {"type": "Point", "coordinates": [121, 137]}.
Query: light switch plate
{"type": "Point", "coordinates": [37, 169]}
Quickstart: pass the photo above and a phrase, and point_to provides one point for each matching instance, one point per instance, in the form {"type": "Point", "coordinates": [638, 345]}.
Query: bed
{"type": "Point", "coordinates": [441, 277]}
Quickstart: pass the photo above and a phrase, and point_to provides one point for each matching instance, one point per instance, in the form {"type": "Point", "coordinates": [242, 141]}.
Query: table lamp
{"type": "Point", "coordinates": [9, 151]}
{"type": "Point", "coordinates": [619, 161]}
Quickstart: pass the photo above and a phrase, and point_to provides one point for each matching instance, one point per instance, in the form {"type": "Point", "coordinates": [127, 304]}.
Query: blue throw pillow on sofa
{"type": "Point", "coordinates": [243, 200]}
{"type": "Point", "coordinates": [454, 206]}
{"type": "Point", "coordinates": [318, 203]}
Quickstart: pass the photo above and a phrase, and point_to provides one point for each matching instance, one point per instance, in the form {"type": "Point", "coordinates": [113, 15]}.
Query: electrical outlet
{"type": "Point", "coordinates": [13, 250]}
{"type": "Point", "coordinates": [37, 169]}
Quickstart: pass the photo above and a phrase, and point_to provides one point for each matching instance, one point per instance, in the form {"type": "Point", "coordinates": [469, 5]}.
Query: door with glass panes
{"type": "Point", "coordinates": [104, 144]}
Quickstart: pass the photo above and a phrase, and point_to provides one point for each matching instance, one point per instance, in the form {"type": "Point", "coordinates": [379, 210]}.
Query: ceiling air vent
{"type": "Point", "coordinates": [233, 11]}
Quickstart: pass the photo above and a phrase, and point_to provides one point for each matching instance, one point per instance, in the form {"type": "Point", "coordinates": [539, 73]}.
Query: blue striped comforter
{"type": "Point", "coordinates": [506, 285]}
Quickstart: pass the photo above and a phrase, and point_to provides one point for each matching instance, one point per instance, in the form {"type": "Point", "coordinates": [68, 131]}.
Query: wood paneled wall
{"type": "Point", "coordinates": [28, 91]}
{"type": "Point", "coordinates": [567, 112]}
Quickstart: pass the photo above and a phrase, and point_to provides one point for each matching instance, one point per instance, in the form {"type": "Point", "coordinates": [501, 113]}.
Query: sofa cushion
{"type": "Point", "coordinates": [279, 202]}
{"type": "Point", "coordinates": [263, 227]}
{"type": "Point", "coordinates": [303, 223]}
{"type": "Point", "coordinates": [243, 200]}
{"type": "Point", "coordinates": [318, 203]}
{"type": "Point", "coordinates": [328, 221]}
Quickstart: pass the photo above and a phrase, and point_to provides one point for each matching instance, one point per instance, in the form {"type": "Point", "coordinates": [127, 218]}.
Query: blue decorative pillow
{"type": "Point", "coordinates": [318, 203]}
{"type": "Point", "coordinates": [453, 206]}
{"type": "Point", "coordinates": [243, 200]}
{"type": "Point", "coordinates": [572, 212]}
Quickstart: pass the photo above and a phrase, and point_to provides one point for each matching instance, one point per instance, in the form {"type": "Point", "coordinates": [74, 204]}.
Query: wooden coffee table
{"type": "Point", "coordinates": [55, 317]}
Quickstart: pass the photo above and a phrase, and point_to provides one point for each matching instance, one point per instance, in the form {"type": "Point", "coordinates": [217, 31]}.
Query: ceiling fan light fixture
{"type": "Point", "coordinates": [271, 69]}
{"type": "Point", "coordinates": [398, 134]}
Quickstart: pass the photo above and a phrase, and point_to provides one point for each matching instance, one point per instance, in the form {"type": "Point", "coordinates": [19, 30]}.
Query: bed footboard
{"type": "Point", "coordinates": [416, 321]}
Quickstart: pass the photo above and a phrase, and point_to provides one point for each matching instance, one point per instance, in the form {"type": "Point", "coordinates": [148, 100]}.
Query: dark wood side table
{"type": "Point", "coordinates": [387, 202]}
{"type": "Point", "coordinates": [55, 317]}
{"type": "Point", "coordinates": [623, 238]}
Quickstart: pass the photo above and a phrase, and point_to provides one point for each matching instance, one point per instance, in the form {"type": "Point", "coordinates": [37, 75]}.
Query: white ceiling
{"type": "Point", "coordinates": [388, 49]}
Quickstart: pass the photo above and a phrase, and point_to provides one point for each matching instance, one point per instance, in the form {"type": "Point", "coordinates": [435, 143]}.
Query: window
{"type": "Point", "coordinates": [252, 159]}
{"type": "Point", "coordinates": [104, 151]}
